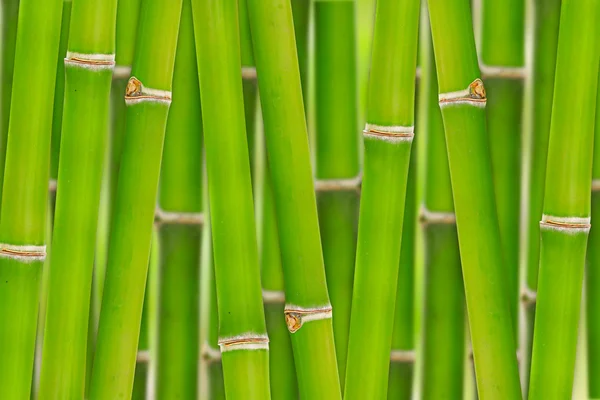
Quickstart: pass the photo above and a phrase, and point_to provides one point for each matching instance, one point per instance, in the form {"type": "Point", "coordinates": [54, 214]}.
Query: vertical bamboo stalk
{"type": "Point", "coordinates": [242, 332]}
{"type": "Point", "coordinates": [180, 192]}
{"type": "Point", "coordinates": [388, 140]}
{"type": "Point", "coordinates": [148, 97]}
{"type": "Point", "coordinates": [307, 310]}
{"type": "Point", "coordinates": [462, 100]}
{"type": "Point", "coordinates": [301, 18]}
{"type": "Point", "coordinates": [566, 220]}
{"type": "Point", "coordinates": [539, 87]}
{"type": "Point", "coordinates": [444, 308]}
{"type": "Point", "coordinates": [502, 57]}
{"type": "Point", "coordinates": [88, 72]}
{"type": "Point", "coordinates": [337, 157]}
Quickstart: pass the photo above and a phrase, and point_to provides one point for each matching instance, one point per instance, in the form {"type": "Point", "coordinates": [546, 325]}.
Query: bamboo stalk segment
{"type": "Point", "coordinates": [565, 224]}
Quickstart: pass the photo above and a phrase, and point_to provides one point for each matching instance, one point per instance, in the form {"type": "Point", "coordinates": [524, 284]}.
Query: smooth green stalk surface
{"type": "Point", "coordinates": [301, 18]}
{"type": "Point", "coordinates": [293, 192]}
{"type": "Point", "coordinates": [444, 307]}
{"type": "Point", "coordinates": [129, 248]}
{"type": "Point", "coordinates": [180, 191]}
{"type": "Point", "coordinates": [488, 305]}
{"type": "Point", "coordinates": [390, 103]}
{"type": "Point", "coordinates": [337, 156]}
{"type": "Point", "coordinates": [241, 313]}
{"type": "Point", "coordinates": [26, 179]}
{"type": "Point", "coordinates": [502, 45]}
{"type": "Point", "coordinates": [567, 195]}
{"type": "Point", "coordinates": [540, 87]}
{"type": "Point", "coordinates": [10, 15]}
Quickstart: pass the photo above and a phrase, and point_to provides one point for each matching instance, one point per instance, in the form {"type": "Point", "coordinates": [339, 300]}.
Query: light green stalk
{"type": "Point", "coordinates": [444, 308]}
{"type": "Point", "coordinates": [148, 98]}
{"type": "Point", "coordinates": [540, 85]}
{"type": "Point", "coordinates": [337, 156]}
{"type": "Point", "coordinates": [502, 50]}
{"type": "Point", "coordinates": [22, 230]}
{"type": "Point", "coordinates": [242, 332]}
{"type": "Point", "coordinates": [301, 18]}
{"type": "Point", "coordinates": [180, 192]}
{"type": "Point", "coordinates": [566, 220]}
{"type": "Point", "coordinates": [462, 98]}
{"type": "Point", "coordinates": [307, 311]}
{"type": "Point", "coordinates": [388, 141]}
{"type": "Point", "coordinates": [88, 72]}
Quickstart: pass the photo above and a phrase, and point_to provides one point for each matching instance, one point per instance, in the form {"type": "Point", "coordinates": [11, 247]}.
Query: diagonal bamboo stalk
{"type": "Point", "coordinates": [462, 100]}
{"type": "Point", "coordinates": [148, 97]}
{"type": "Point", "coordinates": [388, 140]}
{"type": "Point", "coordinates": [565, 223]}
{"type": "Point", "coordinates": [242, 331]}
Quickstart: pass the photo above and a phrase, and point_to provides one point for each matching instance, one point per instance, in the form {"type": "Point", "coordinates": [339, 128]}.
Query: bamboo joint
{"type": "Point", "coordinates": [394, 133]}
{"type": "Point", "coordinates": [245, 341]}
{"type": "Point", "coordinates": [136, 93]}
{"type": "Point", "coordinates": [474, 96]}
{"type": "Point", "coordinates": [25, 253]}
{"type": "Point", "coordinates": [92, 62]}
{"type": "Point", "coordinates": [296, 316]}
{"type": "Point", "coordinates": [565, 224]}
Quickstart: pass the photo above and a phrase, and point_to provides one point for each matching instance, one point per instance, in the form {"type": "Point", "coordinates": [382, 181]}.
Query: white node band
{"type": "Point", "coordinates": [565, 224]}
{"type": "Point", "coordinates": [428, 217]}
{"type": "Point", "coordinates": [121, 72]}
{"type": "Point", "coordinates": [474, 95]}
{"type": "Point", "coordinates": [183, 218]}
{"type": "Point", "coordinates": [392, 133]}
{"type": "Point", "coordinates": [502, 72]}
{"type": "Point", "coordinates": [92, 62]}
{"type": "Point", "coordinates": [249, 73]}
{"type": "Point", "coordinates": [402, 356]}
{"type": "Point", "coordinates": [273, 296]}
{"type": "Point", "coordinates": [246, 341]}
{"type": "Point", "coordinates": [338, 185]}
{"type": "Point", "coordinates": [296, 316]}
{"type": "Point", "coordinates": [25, 253]}
{"type": "Point", "coordinates": [137, 93]}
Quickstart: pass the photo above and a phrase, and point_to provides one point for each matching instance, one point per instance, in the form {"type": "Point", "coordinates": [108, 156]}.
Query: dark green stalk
{"type": "Point", "coordinates": [301, 18]}
{"type": "Point", "coordinates": [539, 89]}
{"type": "Point", "coordinates": [337, 157]}
{"type": "Point", "coordinates": [26, 173]}
{"type": "Point", "coordinates": [308, 310]}
{"type": "Point", "coordinates": [566, 220]}
{"type": "Point", "coordinates": [444, 308]}
{"type": "Point", "coordinates": [148, 97]}
{"type": "Point", "coordinates": [180, 192]}
{"type": "Point", "coordinates": [242, 331]}
{"type": "Point", "coordinates": [462, 100]}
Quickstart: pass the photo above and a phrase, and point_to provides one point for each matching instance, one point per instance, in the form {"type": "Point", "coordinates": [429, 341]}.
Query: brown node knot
{"type": "Point", "coordinates": [296, 316]}
{"type": "Point", "coordinates": [136, 92]}
{"type": "Point", "coordinates": [473, 95]}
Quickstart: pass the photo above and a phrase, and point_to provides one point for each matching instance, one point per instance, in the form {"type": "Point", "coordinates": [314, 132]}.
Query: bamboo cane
{"type": "Point", "coordinates": [539, 88]}
{"type": "Point", "coordinates": [387, 140]}
{"type": "Point", "coordinates": [242, 331]}
{"type": "Point", "coordinates": [88, 72]}
{"type": "Point", "coordinates": [301, 18]}
{"type": "Point", "coordinates": [148, 97]}
{"type": "Point", "coordinates": [180, 191]}
{"type": "Point", "coordinates": [462, 101]}
{"type": "Point", "coordinates": [565, 223]}
{"type": "Point", "coordinates": [337, 156]}
{"type": "Point", "coordinates": [444, 308]}
{"type": "Point", "coordinates": [502, 49]}
{"type": "Point", "coordinates": [307, 310]}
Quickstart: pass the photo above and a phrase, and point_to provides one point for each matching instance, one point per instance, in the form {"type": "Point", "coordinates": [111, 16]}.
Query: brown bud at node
{"type": "Point", "coordinates": [134, 87]}
{"type": "Point", "coordinates": [293, 321]}
{"type": "Point", "coordinates": [476, 89]}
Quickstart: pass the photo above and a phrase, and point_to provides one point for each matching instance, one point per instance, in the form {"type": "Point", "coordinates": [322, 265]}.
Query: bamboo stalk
{"type": "Point", "coordinates": [242, 332]}
{"type": "Point", "coordinates": [444, 307]}
{"type": "Point", "coordinates": [88, 72]}
{"type": "Point", "coordinates": [539, 88]}
{"type": "Point", "coordinates": [180, 191]}
{"type": "Point", "coordinates": [301, 18]}
{"type": "Point", "coordinates": [10, 15]}
{"type": "Point", "coordinates": [388, 140]}
{"type": "Point", "coordinates": [307, 310]}
{"type": "Point", "coordinates": [462, 101]}
{"type": "Point", "coordinates": [337, 156]}
{"type": "Point", "coordinates": [565, 223]}
{"type": "Point", "coordinates": [502, 46]}
{"type": "Point", "coordinates": [148, 97]}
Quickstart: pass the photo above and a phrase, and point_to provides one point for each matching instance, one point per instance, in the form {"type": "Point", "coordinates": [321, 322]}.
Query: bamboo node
{"type": "Point", "coordinates": [121, 71]}
{"type": "Point", "coordinates": [273, 296]}
{"type": "Point", "coordinates": [596, 185]}
{"type": "Point", "coordinates": [143, 356]}
{"type": "Point", "coordinates": [296, 316]}
{"type": "Point", "coordinates": [26, 253]}
{"type": "Point", "coordinates": [249, 73]}
{"type": "Point", "coordinates": [136, 92]}
{"type": "Point", "coordinates": [390, 133]}
{"type": "Point", "coordinates": [565, 224]}
{"type": "Point", "coordinates": [338, 185]}
{"type": "Point", "coordinates": [474, 95]}
{"type": "Point", "coordinates": [245, 341]}
{"type": "Point", "coordinates": [502, 72]}
{"type": "Point", "coordinates": [182, 218]}
{"type": "Point", "coordinates": [52, 185]}
{"type": "Point", "coordinates": [210, 354]}
{"type": "Point", "coordinates": [427, 217]}
{"type": "Point", "coordinates": [402, 356]}
{"type": "Point", "coordinates": [92, 62]}
{"type": "Point", "coordinates": [528, 296]}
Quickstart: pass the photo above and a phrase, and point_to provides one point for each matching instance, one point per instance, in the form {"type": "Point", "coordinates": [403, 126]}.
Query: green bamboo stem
{"type": "Point", "coordinates": [22, 230]}
{"type": "Point", "coordinates": [462, 98]}
{"type": "Point", "coordinates": [180, 192]}
{"type": "Point", "coordinates": [545, 18]}
{"type": "Point", "coordinates": [148, 97]}
{"type": "Point", "coordinates": [593, 275]}
{"type": "Point", "coordinates": [444, 308]}
{"type": "Point", "coordinates": [565, 223]}
{"type": "Point", "coordinates": [388, 141]}
{"type": "Point", "coordinates": [337, 156]}
{"type": "Point", "coordinates": [242, 332]}
{"type": "Point", "coordinates": [307, 310]}
{"type": "Point", "coordinates": [10, 15]}
{"type": "Point", "coordinates": [502, 48]}
{"type": "Point", "coordinates": [301, 18]}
